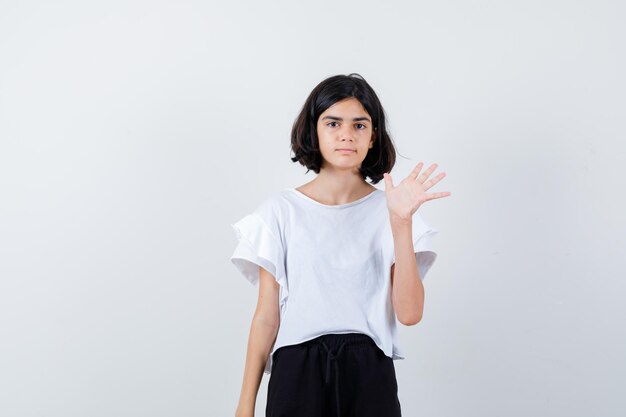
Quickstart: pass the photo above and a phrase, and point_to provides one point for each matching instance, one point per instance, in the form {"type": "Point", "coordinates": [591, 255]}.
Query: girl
{"type": "Point", "coordinates": [336, 262]}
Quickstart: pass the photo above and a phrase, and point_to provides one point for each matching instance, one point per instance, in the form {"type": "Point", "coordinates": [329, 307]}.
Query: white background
{"type": "Point", "coordinates": [133, 133]}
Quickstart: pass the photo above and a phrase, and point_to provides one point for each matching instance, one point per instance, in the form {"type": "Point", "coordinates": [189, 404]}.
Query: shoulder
{"type": "Point", "coordinates": [422, 229]}
{"type": "Point", "coordinates": [272, 211]}
{"type": "Point", "coordinates": [419, 220]}
{"type": "Point", "coordinates": [272, 205]}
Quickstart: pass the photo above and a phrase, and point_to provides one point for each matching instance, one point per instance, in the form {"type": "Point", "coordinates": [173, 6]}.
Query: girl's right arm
{"type": "Point", "coordinates": [263, 331]}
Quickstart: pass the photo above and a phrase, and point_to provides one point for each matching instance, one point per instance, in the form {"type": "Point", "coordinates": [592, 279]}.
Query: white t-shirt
{"type": "Point", "coordinates": [333, 264]}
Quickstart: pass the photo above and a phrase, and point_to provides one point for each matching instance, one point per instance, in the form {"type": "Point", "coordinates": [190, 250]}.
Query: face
{"type": "Point", "coordinates": [345, 134]}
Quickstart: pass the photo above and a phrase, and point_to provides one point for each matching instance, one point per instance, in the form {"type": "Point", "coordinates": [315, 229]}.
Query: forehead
{"type": "Point", "coordinates": [350, 106]}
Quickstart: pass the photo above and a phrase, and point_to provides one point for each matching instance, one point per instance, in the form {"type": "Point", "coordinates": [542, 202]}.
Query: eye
{"type": "Point", "coordinates": [328, 124]}
{"type": "Point", "coordinates": [361, 124]}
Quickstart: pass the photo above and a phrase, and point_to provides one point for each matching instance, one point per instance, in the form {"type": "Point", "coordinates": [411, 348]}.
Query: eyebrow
{"type": "Point", "coordinates": [356, 119]}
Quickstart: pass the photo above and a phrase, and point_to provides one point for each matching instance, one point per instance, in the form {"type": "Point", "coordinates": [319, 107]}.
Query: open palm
{"type": "Point", "coordinates": [404, 199]}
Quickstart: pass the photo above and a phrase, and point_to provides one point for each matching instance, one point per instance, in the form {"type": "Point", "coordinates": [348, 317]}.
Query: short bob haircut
{"type": "Point", "coordinates": [304, 141]}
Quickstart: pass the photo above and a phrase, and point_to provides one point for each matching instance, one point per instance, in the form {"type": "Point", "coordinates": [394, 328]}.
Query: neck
{"type": "Point", "coordinates": [338, 187]}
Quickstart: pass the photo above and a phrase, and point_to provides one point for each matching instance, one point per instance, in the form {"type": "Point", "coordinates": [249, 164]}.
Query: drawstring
{"type": "Point", "coordinates": [329, 357]}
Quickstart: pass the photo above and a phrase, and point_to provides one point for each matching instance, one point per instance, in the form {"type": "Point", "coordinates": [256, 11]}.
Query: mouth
{"type": "Point", "coordinates": [346, 150]}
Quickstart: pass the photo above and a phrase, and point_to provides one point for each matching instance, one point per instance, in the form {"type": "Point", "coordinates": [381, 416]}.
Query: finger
{"type": "Point", "coordinates": [434, 196]}
{"type": "Point", "coordinates": [416, 170]}
{"type": "Point", "coordinates": [428, 184]}
{"type": "Point", "coordinates": [427, 173]}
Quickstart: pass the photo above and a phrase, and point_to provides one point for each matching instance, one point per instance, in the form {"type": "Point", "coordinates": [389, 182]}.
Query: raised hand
{"type": "Point", "coordinates": [404, 200]}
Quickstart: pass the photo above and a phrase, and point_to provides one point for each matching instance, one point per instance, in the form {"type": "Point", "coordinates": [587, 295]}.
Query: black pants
{"type": "Point", "coordinates": [333, 375]}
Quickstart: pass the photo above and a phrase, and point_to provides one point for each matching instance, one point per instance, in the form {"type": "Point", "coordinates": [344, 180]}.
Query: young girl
{"type": "Point", "coordinates": [336, 262]}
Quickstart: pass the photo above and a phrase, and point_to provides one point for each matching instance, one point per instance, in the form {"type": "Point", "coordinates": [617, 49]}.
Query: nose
{"type": "Point", "coordinates": [346, 134]}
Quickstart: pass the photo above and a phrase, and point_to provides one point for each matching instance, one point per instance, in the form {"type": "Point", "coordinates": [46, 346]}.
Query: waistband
{"type": "Point", "coordinates": [334, 340]}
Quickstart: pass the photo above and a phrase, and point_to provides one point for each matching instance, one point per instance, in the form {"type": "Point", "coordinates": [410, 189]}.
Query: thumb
{"type": "Point", "coordinates": [388, 181]}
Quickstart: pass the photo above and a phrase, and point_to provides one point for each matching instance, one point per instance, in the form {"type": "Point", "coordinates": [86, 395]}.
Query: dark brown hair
{"type": "Point", "coordinates": [304, 141]}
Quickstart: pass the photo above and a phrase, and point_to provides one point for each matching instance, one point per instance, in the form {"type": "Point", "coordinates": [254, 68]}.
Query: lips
{"type": "Point", "coordinates": [346, 149]}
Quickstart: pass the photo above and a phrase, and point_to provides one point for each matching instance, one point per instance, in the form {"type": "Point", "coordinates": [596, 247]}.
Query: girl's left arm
{"type": "Point", "coordinates": [407, 290]}
{"type": "Point", "coordinates": [402, 202]}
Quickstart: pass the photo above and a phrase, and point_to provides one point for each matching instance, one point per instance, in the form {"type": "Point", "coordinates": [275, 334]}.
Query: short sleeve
{"type": "Point", "coordinates": [423, 246]}
{"type": "Point", "coordinates": [258, 246]}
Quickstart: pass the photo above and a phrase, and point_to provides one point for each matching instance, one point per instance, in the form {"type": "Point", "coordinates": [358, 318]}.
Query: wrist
{"type": "Point", "coordinates": [244, 409]}
{"type": "Point", "coordinates": [399, 221]}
